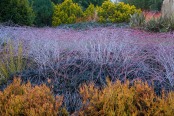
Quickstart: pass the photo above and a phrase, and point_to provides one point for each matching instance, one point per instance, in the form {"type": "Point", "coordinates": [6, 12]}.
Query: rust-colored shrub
{"type": "Point", "coordinates": [123, 99]}
{"type": "Point", "coordinates": [23, 99]}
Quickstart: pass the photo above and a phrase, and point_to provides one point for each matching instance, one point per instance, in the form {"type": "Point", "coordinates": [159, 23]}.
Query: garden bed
{"type": "Point", "coordinates": [69, 58]}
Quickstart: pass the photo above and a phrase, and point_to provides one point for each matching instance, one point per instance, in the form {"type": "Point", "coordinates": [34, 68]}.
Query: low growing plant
{"type": "Point", "coordinates": [161, 24]}
{"type": "Point", "coordinates": [11, 61]}
{"type": "Point", "coordinates": [154, 24]}
{"type": "Point", "coordinates": [23, 99]}
{"type": "Point", "coordinates": [124, 99]}
{"type": "Point", "coordinates": [137, 20]}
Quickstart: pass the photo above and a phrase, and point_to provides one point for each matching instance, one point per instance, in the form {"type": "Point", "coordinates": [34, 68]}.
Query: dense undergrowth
{"type": "Point", "coordinates": [155, 24]}
{"type": "Point", "coordinates": [67, 67]}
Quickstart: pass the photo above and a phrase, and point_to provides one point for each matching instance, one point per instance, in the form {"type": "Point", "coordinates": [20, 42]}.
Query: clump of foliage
{"type": "Point", "coordinates": [90, 13]}
{"type": "Point", "coordinates": [23, 99]}
{"type": "Point", "coordinates": [137, 20]}
{"type": "Point", "coordinates": [18, 11]}
{"type": "Point", "coordinates": [66, 13]}
{"type": "Point", "coordinates": [145, 4]}
{"type": "Point", "coordinates": [43, 10]}
{"type": "Point", "coordinates": [11, 60]}
{"type": "Point", "coordinates": [116, 12]}
{"type": "Point", "coordinates": [155, 24]}
{"type": "Point", "coordinates": [85, 3]}
{"type": "Point", "coordinates": [161, 24]}
{"type": "Point", "coordinates": [121, 99]}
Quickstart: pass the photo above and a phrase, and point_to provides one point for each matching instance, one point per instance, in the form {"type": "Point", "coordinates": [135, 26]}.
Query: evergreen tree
{"type": "Point", "coordinates": [43, 10]}
{"type": "Point", "coordinates": [57, 1]}
{"type": "Point", "coordinates": [17, 11]}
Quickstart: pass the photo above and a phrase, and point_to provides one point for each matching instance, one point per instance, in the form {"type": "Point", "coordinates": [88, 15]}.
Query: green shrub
{"type": "Point", "coordinates": [17, 11]}
{"type": "Point", "coordinates": [90, 13]}
{"type": "Point", "coordinates": [145, 4]}
{"type": "Point", "coordinates": [25, 100]}
{"type": "Point", "coordinates": [118, 99]}
{"type": "Point", "coordinates": [159, 24]}
{"type": "Point", "coordinates": [137, 20]}
{"type": "Point", "coordinates": [90, 10]}
{"type": "Point", "coordinates": [154, 24]}
{"type": "Point", "coordinates": [66, 13]}
{"type": "Point", "coordinates": [43, 10]}
{"type": "Point", "coordinates": [85, 3]}
{"type": "Point", "coordinates": [115, 13]}
{"type": "Point", "coordinates": [11, 60]}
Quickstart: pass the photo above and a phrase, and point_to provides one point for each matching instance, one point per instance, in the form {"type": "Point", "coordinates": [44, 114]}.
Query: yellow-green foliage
{"type": "Point", "coordinates": [11, 60]}
{"type": "Point", "coordinates": [89, 13]}
{"type": "Point", "coordinates": [66, 13]}
{"type": "Point", "coordinates": [118, 99]}
{"type": "Point", "coordinates": [24, 100]}
{"type": "Point", "coordinates": [116, 12]}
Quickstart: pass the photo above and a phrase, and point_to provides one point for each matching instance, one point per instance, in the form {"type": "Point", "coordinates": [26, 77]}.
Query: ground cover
{"type": "Point", "coordinates": [70, 57]}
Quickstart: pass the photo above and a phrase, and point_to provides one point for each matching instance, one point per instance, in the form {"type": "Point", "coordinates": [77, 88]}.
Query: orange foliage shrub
{"type": "Point", "coordinates": [122, 100]}
{"type": "Point", "coordinates": [23, 99]}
